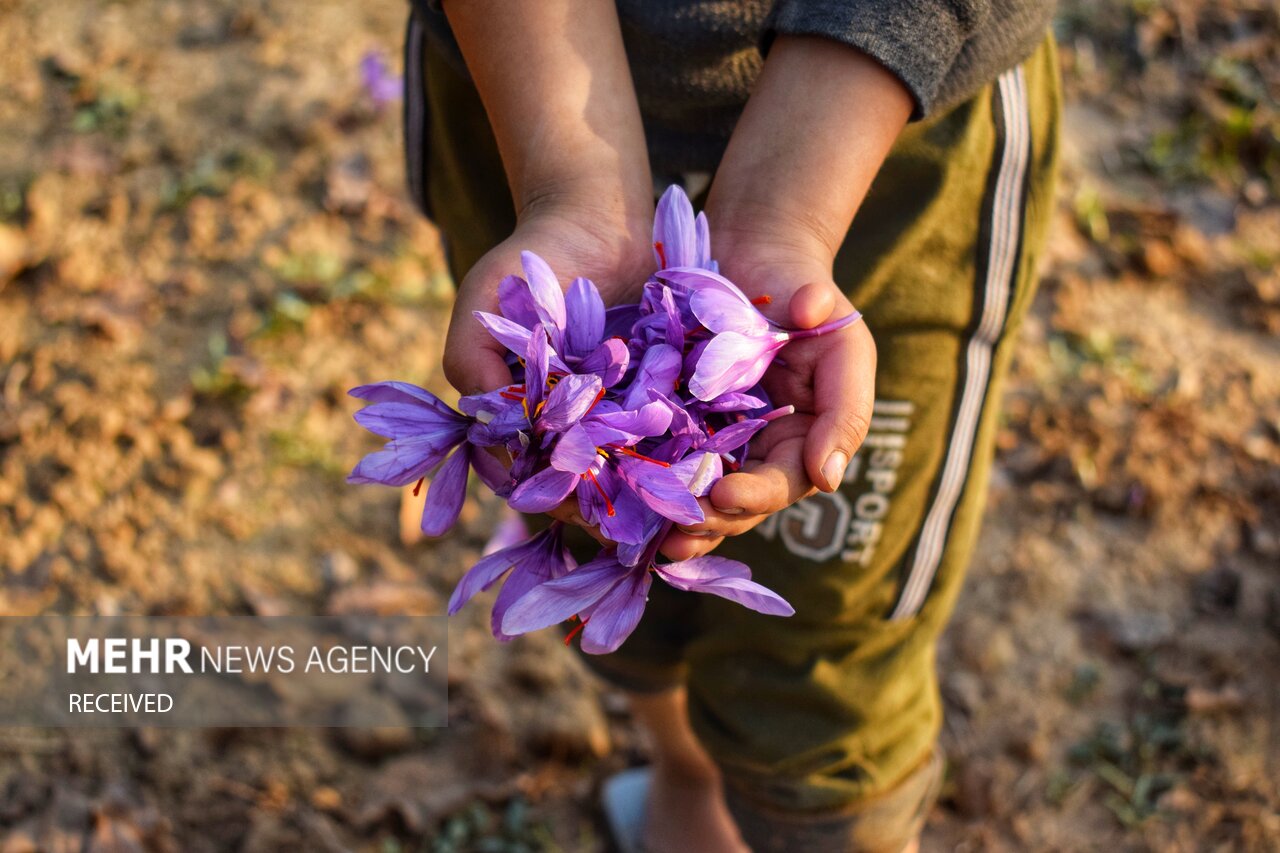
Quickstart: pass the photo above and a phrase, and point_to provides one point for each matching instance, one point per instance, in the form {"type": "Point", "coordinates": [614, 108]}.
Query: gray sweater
{"type": "Point", "coordinates": [694, 61]}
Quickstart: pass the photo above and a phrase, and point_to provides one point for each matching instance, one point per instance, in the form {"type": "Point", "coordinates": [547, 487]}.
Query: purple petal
{"type": "Point", "coordinates": [399, 462]}
{"type": "Point", "coordinates": [609, 361]}
{"type": "Point", "coordinates": [536, 364]}
{"type": "Point", "coordinates": [628, 426]}
{"type": "Point", "coordinates": [732, 402]}
{"type": "Point", "coordinates": [406, 420]}
{"type": "Point", "coordinates": [575, 452]}
{"type": "Point", "coordinates": [727, 579]}
{"type": "Point", "coordinates": [687, 574]}
{"type": "Point", "coordinates": [627, 524]}
{"type": "Point", "coordinates": [749, 594]}
{"type": "Point", "coordinates": [499, 431]}
{"type": "Point", "coordinates": [661, 490]}
{"type": "Point", "coordinates": [619, 319]}
{"type": "Point", "coordinates": [493, 402]}
{"type": "Point", "coordinates": [398, 392]}
{"type": "Point", "coordinates": [514, 337]}
{"type": "Point", "coordinates": [595, 499]}
{"type": "Point", "coordinates": [733, 436]}
{"type": "Point", "coordinates": [732, 362]}
{"type": "Point", "coordinates": [544, 288]}
{"type": "Point", "coordinates": [674, 229]}
{"type": "Point", "coordinates": [721, 311]}
{"type": "Point", "coordinates": [490, 469]}
{"type": "Point", "coordinates": [555, 601]}
{"type": "Point", "coordinates": [383, 87]}
{"type": "Point", "coordinates": [447, 492]}
{"type": "Point", "coordinates": [486, 573]}
{"type": "Point", "coordinates": [702, 244]}
{"type": "Point", "coordinates": [659, 371]}
{"type": "Point", "coordinates": [681, 422]}
{"type": "Point", "coordinates": [689, 280]}
{"type": "Point", "coordinates": [616, 615]}
{"type": "Point", "coordinates": [569, 401]}
{"type": "Point", "coordinates": [584, 312]}
{"type": "Point", "coordinates": [675, 326]}
{"type": "Point", "coordinates": [547, 560]}
{"type": "Point", "coordinates": [642, 550]}
{"type": "Point", "coordinates": [511, 335]}
{"type": "Point", "coordinates": [543, 491]}
{"type": "Point", "coordinates": [516, 303]}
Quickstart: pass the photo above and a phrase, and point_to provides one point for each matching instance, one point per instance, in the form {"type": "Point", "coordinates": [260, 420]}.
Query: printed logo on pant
{"type": "Point", "coordinates": [848, 523]}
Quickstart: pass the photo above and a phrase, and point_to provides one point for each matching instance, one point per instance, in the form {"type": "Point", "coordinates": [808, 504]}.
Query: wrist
{"type": "Point", "coordinates": [577, 235]}
{"type": "Point", "coordinates": [755, 231]}
{"type": "Point", "coordinates": [619, 199]}
{"type": "Point", "coordinates": [773, 262]}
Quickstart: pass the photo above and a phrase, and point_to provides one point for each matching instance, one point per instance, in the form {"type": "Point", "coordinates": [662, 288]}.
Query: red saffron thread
{"type": "Point", "coordinates": [418, 486]}
{"type": "Point", "coordinates": [568, 639]}
{"type": "Point", "coordinates": [662, 253]}
{"type": "Point", "coordinates": [608, 505]}
{"type": "Point", "coordinates": [599, 397]}
{"type": "Point", "coordinates": [629, 452]}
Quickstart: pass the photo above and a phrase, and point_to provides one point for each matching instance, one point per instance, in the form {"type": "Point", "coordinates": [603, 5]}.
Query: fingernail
{"type": "Point", "coordinates": [730, 510]}
{"type": "Point", "coordinates": [701, 534]}
{"type": "Point", "coordinates": [833, 470]}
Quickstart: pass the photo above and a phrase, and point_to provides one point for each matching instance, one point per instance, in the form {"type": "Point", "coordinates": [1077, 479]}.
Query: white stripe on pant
{"type": "Point", "coordinates": [1002, 265]}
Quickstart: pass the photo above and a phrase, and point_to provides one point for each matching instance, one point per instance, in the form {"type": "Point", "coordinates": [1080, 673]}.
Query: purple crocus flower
{"type": "Point", "coordinates": [422, 428]}
{"type": "Point", "coordinates": [679, 238]}
{"type": "Point", "coordinates": [575, 323]}
{"type": "Point", "coordinates": [595, 457]}
{"type": "Point", "coordinates": [423, 432]}
{"type": "Point", "coordinates": [744, 341]}
{"type": "Point", "coordinates": [383, 86]}
{"type": "Point", "coordinates": [609, 597]}
{"type": "Point", "coordinates": [532, 562]}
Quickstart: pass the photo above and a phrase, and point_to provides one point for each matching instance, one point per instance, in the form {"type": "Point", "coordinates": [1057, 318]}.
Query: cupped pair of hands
{"type": "Point", "coordinates": [829, 379]}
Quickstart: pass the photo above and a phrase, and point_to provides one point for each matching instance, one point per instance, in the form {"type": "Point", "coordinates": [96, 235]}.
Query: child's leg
{"type": "Point", "coordinates": [686, 808]}
{"type": "Point", "coordinates": [824, 724]}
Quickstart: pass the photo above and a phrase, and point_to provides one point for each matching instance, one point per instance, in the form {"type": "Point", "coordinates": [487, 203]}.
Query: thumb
{"type": "Point", "coordinates": [475, 369]}
{"type": "Point", "coordinates": [474, 363]}
{"type": "Point", "coordinates": [844, 395]}
{"type": "Point", "coordinates": [812, 304]}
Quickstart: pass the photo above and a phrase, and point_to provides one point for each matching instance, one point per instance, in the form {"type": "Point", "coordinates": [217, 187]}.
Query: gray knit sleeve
{"type": "Point", "coordinates": [918, 40]}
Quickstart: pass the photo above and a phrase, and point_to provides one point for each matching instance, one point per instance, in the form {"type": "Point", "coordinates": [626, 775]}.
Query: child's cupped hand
{"type": "Point", "coordinates": [829, 379]}
{"type": "Point", "coordinates": [575, 238]}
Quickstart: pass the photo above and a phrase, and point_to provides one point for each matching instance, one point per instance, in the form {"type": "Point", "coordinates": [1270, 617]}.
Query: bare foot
{"type": "Point", "coordinates": [688, 812]}
{"type": "Point", "coordinates": [686, 809]}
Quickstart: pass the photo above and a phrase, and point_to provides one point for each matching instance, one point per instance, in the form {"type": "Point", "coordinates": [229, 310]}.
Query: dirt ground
{"type": "Point", "coordinates": [204, 241]}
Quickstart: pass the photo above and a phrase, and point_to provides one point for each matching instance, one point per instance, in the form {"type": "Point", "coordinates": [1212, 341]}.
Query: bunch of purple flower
{"type": "Point", "coordinates": [635, 410]}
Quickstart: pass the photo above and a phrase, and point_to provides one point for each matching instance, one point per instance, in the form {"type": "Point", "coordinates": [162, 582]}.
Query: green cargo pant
{"type": "Point", "coordinates": [835, 711]}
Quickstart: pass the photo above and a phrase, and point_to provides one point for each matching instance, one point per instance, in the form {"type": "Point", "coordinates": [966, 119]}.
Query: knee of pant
{"type": "Point", "coordinates": [808, 727]}
{"type": "Point", "coordinates": [884, 823]}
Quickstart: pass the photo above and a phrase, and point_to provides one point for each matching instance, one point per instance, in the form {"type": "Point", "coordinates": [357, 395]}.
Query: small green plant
{"type": "Point", "coordinates": [483, 829]}
{"type": "Point", "coordinates": [216, 379]}
{"type": "Point", "coordinates": [1084, 683]}
{"type": "Point", "coordinates": [1136, 762]}
{"type": "Point", "coordinates": [109, 110]}
{"type": "Point", "coordinates": [1091, 214]}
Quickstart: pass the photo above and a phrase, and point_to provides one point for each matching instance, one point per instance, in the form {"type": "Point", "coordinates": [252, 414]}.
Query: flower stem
{"type": "Point", "coordinates": [826, 328]}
